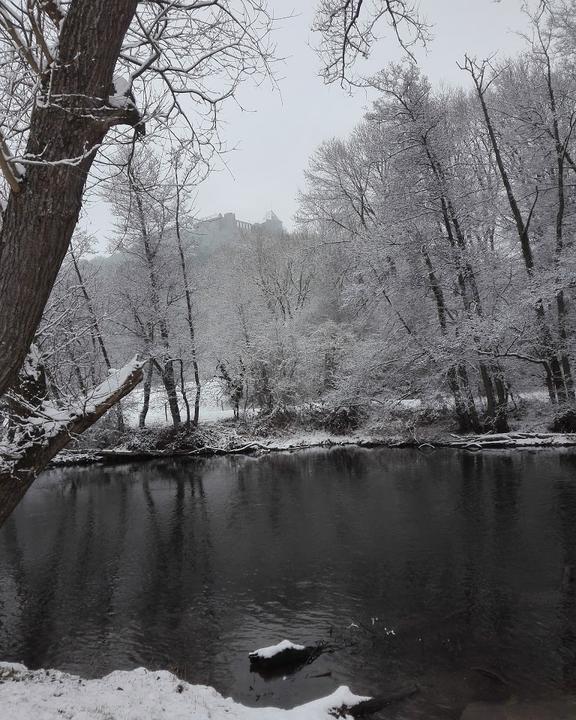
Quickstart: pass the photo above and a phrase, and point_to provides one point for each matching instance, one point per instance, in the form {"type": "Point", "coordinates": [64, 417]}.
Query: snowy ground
{"type": "Point", "coordinates": [212, 407]}
{"type": "Point", "coordinates": [138, 695]}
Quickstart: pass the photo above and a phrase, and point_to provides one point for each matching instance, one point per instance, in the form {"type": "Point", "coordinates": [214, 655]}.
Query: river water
{"type": "Point", "coordinates": [449, 570]}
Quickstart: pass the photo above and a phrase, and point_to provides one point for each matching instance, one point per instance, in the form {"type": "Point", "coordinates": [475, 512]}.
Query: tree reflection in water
{"type": "Point", "coordinates": [189, 565]}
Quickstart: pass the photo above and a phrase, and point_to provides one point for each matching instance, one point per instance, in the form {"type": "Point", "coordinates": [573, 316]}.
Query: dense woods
{"type": "Point", "coordinates": [432, 261]}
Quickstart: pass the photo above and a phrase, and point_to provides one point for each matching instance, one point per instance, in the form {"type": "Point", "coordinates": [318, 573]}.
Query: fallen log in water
{"type": "Point", "coordinates": [504, 441]}
{"type": "Point", "coordinates": [285, 657]}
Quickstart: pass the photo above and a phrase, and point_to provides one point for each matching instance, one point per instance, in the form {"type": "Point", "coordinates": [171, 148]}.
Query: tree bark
{"type": "Point", "coordinates": [64, 136]}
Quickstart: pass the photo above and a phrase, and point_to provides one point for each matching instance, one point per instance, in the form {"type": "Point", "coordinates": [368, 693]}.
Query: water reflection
{"type": "Point", "coordinates": [469, 558]}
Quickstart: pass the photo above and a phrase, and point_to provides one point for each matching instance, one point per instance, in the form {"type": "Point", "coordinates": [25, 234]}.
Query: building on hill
{"type": "Point", "coordinates": [214, 232]}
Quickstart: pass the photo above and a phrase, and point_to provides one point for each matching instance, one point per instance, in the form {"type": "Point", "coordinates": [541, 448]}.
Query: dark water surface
{"type": "Point", "coordinates": [189, 565]}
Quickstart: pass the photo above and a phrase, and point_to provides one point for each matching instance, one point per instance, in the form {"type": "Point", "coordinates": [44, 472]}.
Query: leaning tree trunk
{"type": "Point", "coordinates": [64, 136]}
{"type": "Point", "coordinates": [48, 438]}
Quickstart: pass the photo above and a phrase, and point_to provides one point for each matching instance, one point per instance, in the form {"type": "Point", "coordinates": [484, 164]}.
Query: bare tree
{"type": "Point", "coordinates": [71, 97]}
{"type": "Point", "coordinates": [483, 79]}
{"type": "Point", "coordinates": [71, 72]}
{"type": "Point", "coordinates": [180, 184]}
{"type": "Point", "coordinates": [348, 30]}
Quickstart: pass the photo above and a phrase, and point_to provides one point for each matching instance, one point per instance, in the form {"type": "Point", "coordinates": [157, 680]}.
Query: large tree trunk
{"type": "Point", "coordinates": [40, 218]}
{"type": "Point", "coordinates": [48, 439]}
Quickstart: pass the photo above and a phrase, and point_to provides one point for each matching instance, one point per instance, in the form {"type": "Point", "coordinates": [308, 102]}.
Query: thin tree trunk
{"type": "Point", "coordinates": [183, 392]}
{"type": "Point", "coordinates": [148, 373]}
{"type": "Point", "coordinates": [564, 358]}
{"type": "Point", "coordinates": [169, 381]}
{"type": "Point", "coordinates": [466, 281]}
{"type": "Point", "coordinates": [465, 419]}
{"type": "Point", "coordinates": [97, 333]}
{"type": "Point", "coordinates": [469, 399]}
{"type": "Point", "coordinates": [560, 213]}
{"type": "Point", "coordinates": [188, 295]}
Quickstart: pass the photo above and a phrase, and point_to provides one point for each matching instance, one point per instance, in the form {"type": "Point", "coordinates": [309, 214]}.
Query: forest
{"type": "Point", "coordinates": [432, 261]}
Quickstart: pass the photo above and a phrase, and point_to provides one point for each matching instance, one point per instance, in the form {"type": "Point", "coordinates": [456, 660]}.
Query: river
{"type": "Point", "coordinates": [451, 570]}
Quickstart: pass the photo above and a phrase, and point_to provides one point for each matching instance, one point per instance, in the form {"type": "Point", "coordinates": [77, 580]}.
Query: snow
{"type": "Point", "coordinates": [113, 383]}
{"type": "Point", "coordinates": [269, 652]}
{"type": "Point", "coordinates": [121, 98]}
{"type": "Point", "coordinates": [137, 695]}
{"type": "Point", "coordinates": [121, 85]}
{"type": "Point", "coordinates": [49, 419]}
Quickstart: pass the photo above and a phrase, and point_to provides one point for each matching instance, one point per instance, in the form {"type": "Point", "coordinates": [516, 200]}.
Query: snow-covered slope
{"type": "Point", "coordinates": [137, 695]}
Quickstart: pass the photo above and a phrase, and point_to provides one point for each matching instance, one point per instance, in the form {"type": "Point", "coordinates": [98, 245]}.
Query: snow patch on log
{"type": "Point", "coordinates": [273, 650]}
{"type": "Point", "coordinates": [49, 428]}
{"type": "Point", "coordinates": [503, 441]}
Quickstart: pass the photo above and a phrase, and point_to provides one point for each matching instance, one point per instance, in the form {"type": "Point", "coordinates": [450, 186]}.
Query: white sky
{"type": "Point", "coordinates": [278, 130]}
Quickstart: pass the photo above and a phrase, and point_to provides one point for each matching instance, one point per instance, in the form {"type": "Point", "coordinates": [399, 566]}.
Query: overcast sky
{"type": "Point", "coordinates": [279, 130]}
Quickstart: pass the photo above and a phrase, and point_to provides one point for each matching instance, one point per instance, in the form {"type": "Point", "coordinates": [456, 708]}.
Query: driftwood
{"type": "Point", "coordinates": [49, 435]}
{"type": "Point", "coordinates": [510, 440]}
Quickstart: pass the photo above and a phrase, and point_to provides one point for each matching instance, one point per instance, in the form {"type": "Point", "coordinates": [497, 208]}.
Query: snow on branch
{"type": "Point", "coordinates": [47, 429]}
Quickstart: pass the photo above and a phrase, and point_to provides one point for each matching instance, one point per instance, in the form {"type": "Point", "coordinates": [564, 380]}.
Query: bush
{"type": "Point", "coordinates": [338, 420]}
{"type": "Point", "coordinates": [564, 420]}
{"type": "Point", "coordinates": [343, 420]}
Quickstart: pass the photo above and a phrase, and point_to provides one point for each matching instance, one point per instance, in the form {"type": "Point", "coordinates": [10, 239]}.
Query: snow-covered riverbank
{"type": "Point", "coordinates": [219, 439]}
{"type": "Point", "coordinates": [140, 695]}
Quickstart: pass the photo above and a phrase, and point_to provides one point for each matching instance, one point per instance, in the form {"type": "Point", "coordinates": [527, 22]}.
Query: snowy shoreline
{"type": "Point", "coordinates": [256, 447]}
{"type": "Point", "coordinates": [138, 694]}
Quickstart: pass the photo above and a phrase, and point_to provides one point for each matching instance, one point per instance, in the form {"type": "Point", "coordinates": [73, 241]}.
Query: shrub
{"type": "Point", "coordinates": [564, 420]}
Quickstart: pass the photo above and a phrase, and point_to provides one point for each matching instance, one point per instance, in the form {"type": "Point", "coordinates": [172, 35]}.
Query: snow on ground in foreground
{"type": "Point", "coordinates": [137, 695]}
{"type": "Point", "coordinates": [273, 650]}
